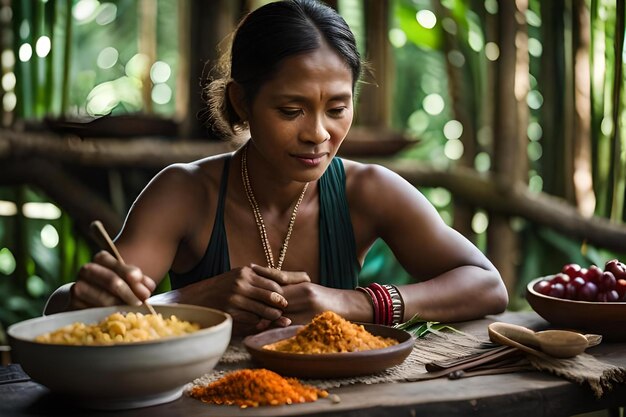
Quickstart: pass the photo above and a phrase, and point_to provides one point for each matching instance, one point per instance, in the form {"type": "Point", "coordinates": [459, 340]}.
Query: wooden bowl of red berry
{"type": "Point", "coordinates": [591, 300]}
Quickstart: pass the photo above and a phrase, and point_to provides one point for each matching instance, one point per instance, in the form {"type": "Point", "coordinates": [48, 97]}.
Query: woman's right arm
{"type": "Point", "coordinates": [161, 217]}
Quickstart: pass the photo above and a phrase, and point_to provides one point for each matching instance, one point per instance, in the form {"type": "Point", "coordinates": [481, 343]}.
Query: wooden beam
{"type": "Point", "coordinates": [27, 158]}
{"type": "Point", "coordinates": [516, 199]}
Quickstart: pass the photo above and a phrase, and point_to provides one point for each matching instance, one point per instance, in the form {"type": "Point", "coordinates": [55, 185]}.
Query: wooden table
{"type": "Point", "coordinates": [516, 394]}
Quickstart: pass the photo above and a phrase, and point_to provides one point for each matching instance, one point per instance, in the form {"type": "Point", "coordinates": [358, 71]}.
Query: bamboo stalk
{"type": "Point", "coordinates": [67, 58]}
{"type": "Point", "coordinates": [59, 61]}
{"type": "Point", "coordinates": [600, 141]}
{"type": "Point", "coordinates": [39, 64]}
{"type": "Point", "coordinates": [619, 132]}
{"type": "Point", "coordinates": [23, 73]}
{"type": "Point", "coordinates": [147, 12]}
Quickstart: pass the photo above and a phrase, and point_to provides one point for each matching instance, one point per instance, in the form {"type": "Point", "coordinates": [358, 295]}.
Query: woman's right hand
{"type": "Point", "coordinates": [252, 295]}
{"type": "Point", "coordinates": [107, 282]}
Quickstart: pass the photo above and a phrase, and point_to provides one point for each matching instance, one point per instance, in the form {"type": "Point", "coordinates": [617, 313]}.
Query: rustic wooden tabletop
{"type": "Point", "coordinates": [524, 394]}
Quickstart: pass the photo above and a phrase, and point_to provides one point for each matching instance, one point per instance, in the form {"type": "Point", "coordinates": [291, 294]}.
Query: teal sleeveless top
{"type": "Point", "coordinates": [339, 265]}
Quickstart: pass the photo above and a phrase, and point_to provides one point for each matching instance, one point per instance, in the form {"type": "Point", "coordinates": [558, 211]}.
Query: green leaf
{"type": "Point", "coordinates": [420, 328]}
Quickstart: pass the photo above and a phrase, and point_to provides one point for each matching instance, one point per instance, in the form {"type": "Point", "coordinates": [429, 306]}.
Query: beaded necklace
{"type": "Point", "coordinates": [259, 219]}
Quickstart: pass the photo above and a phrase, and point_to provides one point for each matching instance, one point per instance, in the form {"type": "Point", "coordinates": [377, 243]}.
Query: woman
{"type": "Point", "coordinates": [277, 231]}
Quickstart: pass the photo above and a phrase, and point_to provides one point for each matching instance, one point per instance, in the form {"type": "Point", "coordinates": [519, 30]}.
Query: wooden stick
{"type": "Point", "coordinates": [106, 241]}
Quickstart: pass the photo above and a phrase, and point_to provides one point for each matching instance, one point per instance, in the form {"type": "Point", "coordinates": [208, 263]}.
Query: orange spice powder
{"type": "Point", "coordinates": [328, 332]}
{"type": "Point", "coordinates": [256, 387]}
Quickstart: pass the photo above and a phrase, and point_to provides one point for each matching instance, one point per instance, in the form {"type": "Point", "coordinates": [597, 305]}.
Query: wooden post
{"type": "Point", "coordinates": [374, 107]}
{"type": "Point", "coordinates": [510, 124]}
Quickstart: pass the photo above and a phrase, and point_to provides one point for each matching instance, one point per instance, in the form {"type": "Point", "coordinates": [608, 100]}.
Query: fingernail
{"type": "Point", "coordinates": [134, 274]}
{"type": "Point", "coordinates": [278, 299]}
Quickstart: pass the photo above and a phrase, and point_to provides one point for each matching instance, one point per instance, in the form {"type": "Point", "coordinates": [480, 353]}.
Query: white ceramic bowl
{"type": "Point", "coordinates": [121, 376]}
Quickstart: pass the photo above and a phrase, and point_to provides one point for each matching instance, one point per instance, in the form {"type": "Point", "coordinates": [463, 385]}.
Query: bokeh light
{"type": "Point", "coordinates": [433, 104]}
{"type": "Point", "coordinates": [535, 48]}
{"type": "Point", "coordinates": [492, 51]}
{"type": "Point", "coordinates": [41, 210]}
{"type": "Point", "coordinates": [8, 81]}
{"type": "Point", "coordinates": [480, 222]}
{"type": "Point", "coordinates": [25, 52]}
{"type": "Point", "coordinates": [7, 59]}
{"type": "Point", "coordinates": [84, 11]}
{"type": "Point", "coordinates": [7, 261]}
{"type": "Point", "coordinates": [534, 99]}
{"type": "Point", "coordinates": [482, 162]}
{"type": "Point", "coordinates": [49, 236]}
{"type": "Point", "coordinates": [7, 208]}
{"type": "Point", "coordinates": [453, 149]}
{"type": "Point", "coordinates": [106, 13]}
{"type": "Point", "coordinates": [160, 72]}
{"type": "Point", "coordinates": [418, 122]}
{"type": "Point", "coordinates": [426, 18]}
{"type": "Point", "coordinates": [161, 94]}
{"type": "Point", "coordinates": [453, 129]}
{"type": "Point", "coordinates": [9, 101]}
{"type": "Point", "coordinates": [534, 131]}
{"type": "Point", "coordinates": [107, 58]}
{"type": "Point", "coordinates": [397, 37]}
{"type": "Point", "coordinates": [440, 197]}
{"type": "Point", "coordinates": [456, 58]}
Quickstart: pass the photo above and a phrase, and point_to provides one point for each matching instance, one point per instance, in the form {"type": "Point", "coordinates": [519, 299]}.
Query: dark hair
{"type": "Point", "coordinates": [264, 38]}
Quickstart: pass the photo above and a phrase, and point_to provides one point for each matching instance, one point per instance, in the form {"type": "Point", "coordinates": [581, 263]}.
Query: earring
{"type": "Point", "coordinates": [241, 126]}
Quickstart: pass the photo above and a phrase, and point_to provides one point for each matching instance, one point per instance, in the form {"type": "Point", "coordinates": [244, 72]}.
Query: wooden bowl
{"type": "Point", "coordinates": [329, 365]}
{"type": "Point", "coordinates": [605, 318]}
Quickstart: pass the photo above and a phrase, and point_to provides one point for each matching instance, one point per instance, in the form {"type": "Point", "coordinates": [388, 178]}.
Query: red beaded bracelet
{"type": "Point", "coordinates": [384, 299]}
{"type": "Point", "coordinates": [374, 301]}
{"type": "Point", "coordinates": [387, 303]}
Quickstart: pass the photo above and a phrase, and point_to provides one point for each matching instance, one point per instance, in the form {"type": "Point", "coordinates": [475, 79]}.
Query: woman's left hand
{"type": "Point", "coordinates": [306, 300]}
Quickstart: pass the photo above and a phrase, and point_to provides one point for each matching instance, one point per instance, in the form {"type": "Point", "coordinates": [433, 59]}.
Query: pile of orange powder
{"type": "Point", "coordinates": [256, 387]}
{"type": "Point", "coordinates": [328, 332]}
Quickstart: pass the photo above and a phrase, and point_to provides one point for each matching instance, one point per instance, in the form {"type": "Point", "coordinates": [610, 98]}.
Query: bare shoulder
{"type": "Point", "coordinates": [189, 180]}
{"type": "Point", "coordinates": [183, 191]}
{"type": "Point", "coordinates": [372, 183]}
{"type": "Point", "coordinates": [358, 173]}
{"type": "Point", "coordinates": [381, 196]}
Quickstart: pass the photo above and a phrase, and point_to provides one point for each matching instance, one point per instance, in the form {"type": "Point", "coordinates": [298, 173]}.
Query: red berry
{"type": "Point", "coordinates": [607, 281]}
{"type": "Point", "coordinates": [578, 282]}
{"type": "Point", "coordinates": [620, 287]}
{"type": "Point", "coordinates": [571, 291]}
{"type": "Point", "coordinates": [561, 278]}
{"type": "Point", "coordinates": [588, 292]}
{"type": "Point", "coordinates": [557, 290]}
{"type": "Point", "coordinates": [593, 274]}
{"type": "Point", "coordinates": [572, 270]}
{"type": "Point", "coordinates": [617, 268]}
{"type": "Point", "coordinates": [612, 296]}
{"type": "Point", "coordinates": [542, 287]}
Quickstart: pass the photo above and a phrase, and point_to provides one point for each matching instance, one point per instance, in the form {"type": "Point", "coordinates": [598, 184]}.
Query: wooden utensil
{"type": "Point", "coordinates": [555, 343]}
{"type": "Point", "coordinates": [107, 242]}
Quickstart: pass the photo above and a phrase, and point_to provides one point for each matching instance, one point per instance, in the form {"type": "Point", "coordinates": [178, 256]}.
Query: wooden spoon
{"type": "Point", "coordinates": [556, 343]}
{"type": "Point", "coordinates": [104, 237]}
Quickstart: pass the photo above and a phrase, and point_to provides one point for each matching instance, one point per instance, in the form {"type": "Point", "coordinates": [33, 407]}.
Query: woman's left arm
{"type": "Point", "coordinates": [454, 280]}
